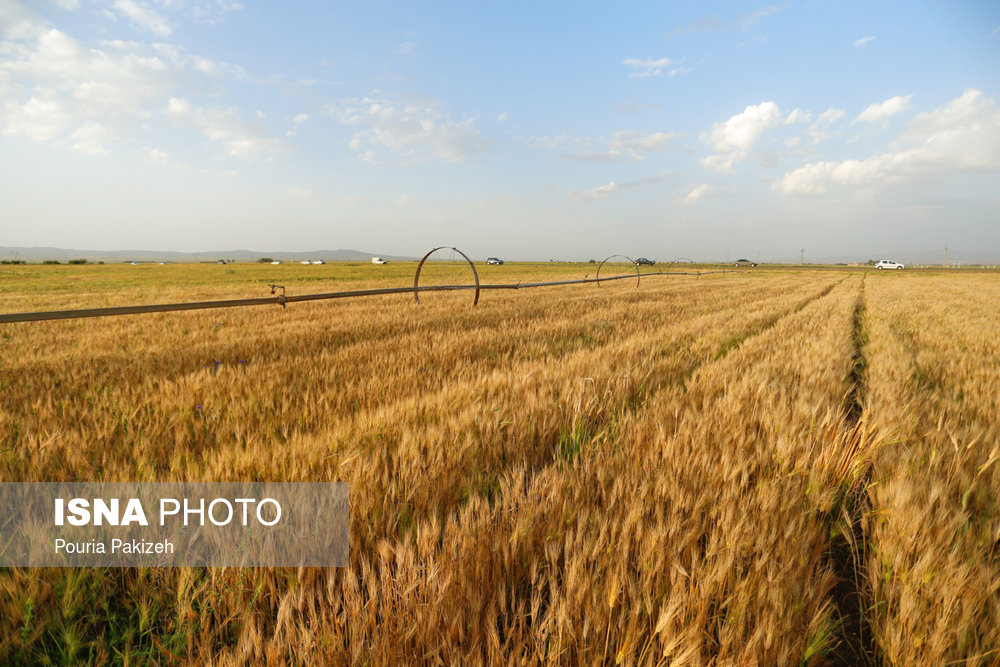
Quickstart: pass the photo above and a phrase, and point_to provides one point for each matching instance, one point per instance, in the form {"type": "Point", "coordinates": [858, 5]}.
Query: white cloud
{"type": "Point", "coordinates": [963, 135]}
{"type": "Point", "coordinates": [625, 145]}
{"type": "Point", "coordinates": [558, 142]}
{"type": "Point", "coordinates": [797, 116]}
{"type": "Point", "coordinates": [603, 156]}
{"type": "Point", "coordinates": [18, 22]}
{"type": "Point", "coordinates": [213, 11]}
{"type": "Point", "coordinates": [408, 131]}
{"type": "Point", "coordinates": [143, 17]}
{"type": "Point", "coordinates": [603, 191]}
{"type": "Point", "coordinates": [820, 130]}
{"type": "Point", "coordinates": [831, 115]}
{"type": "Point", "coordinates": [39, 118]}
{"type": "Point", "coordinates": [864, 40]}
{"type": "Point", "coordinates": [298, 192]}
{"type": "Point", "coordinates": [90, 80]}
{"type": "Point", "coordinates": [733, 140]}
{"type": "Point", "coordinates": [178, 106]}
{"type": "Point", "coordinates": [213, 67]}
{"type": "Point", "coordinates": [754, 17]}
{"type": "Point", "coordinates": [639, 142]}
{"type": "Point", "coordinates": [600, 192]}
{"type": "Point", "coordinates": [120, 44]}
{"type": "Point", "coordinates": [90, 138]}
{"type": "Point", "coordinates": [996, 31]}
{"type": "Point", "coordinates": [648, 66]}
{"type": "Point", "coordinates": [157, 156]}
{"type": "Point", "coordinates": [52, 83]}
{"type": "Point", "coordinates": [695, 194]}
{"type": "Point", "coordinates": [880, 110]}
{"type": "Point", "coordinates": [296, 121]}
{"type": "Point", "coordinates": [224, 125]}
{"type": "Point", "coordinates": [965, 118]}
{"type": "Point", "coordinates": [706, 24]}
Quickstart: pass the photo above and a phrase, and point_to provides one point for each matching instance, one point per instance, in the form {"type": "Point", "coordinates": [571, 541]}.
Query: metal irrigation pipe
{"type": "Point", "coordinates": [630, 261]}
{"type": "Point", "coordinates": [198, 305]}
{"type": "Point", "coordinates": [282, 299]}
{"type": "Point", "coordinates": [416, 277]}
{"type": "Point", "coordinates": [683, 261]}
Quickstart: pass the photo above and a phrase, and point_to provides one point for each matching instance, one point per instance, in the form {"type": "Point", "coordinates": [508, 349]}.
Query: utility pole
{"type": "Point", "coordinates": [946, 256]}
{"type": "Point", "coordinates": [802, 256]}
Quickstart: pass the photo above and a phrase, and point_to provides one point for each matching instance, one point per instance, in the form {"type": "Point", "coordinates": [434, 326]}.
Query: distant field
{"type": "Point", "coordinates": [33, 287]}
{"type": "Point", "coordinates": [761, 467]}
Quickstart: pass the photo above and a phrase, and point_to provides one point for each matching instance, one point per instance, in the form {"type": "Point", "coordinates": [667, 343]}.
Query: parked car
{"type": "Point", "coordinates": [642, 261]}
{"type": "Point", "coordinates": [379, 260]}
{"type": "Point", "coordinates": [889, 264]}
{"type": "Point", "coordinates": [744, 263]}
{"type": "Point", "coordinates": [494, 260]}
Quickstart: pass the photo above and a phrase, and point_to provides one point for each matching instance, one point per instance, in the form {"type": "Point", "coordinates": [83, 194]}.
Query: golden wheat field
{"type": "Point", "coordinates": [769, 467]}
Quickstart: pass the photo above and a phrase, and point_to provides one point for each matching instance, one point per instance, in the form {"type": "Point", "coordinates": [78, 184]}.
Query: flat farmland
{"type": "Point", "coordinates": [759, 467]}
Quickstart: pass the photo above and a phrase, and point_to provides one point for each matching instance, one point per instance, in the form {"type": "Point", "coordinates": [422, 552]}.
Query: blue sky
{"type": "Point", "coordinates": [526, 130]}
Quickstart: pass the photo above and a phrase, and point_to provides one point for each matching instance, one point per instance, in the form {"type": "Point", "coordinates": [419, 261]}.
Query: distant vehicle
{"type": "Point", "coordinates": [318, 261]}
{"type": "Point", "coordinates": [889, 264]}
{"type": "Point", "coordinates": [744, 263]}
{"type": "Point", "coordinates": [221, 261]}
{"type": "Point", "coordinates": [379, 260]}
{"type": "Point", "coordinates": [642, 261]}
{"type": "Point", "coordinates": [305, 261]}
{"type": "Point", "coordinates": [275, 262]}
{"type": "Point", "coordinates": [494, 260]}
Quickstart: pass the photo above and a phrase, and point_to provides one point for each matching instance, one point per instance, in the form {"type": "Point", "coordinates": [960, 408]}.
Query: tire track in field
{"type": "Point", "coordinates": [635, 405]}
{"type": "Point", "coordinates": [541, 600]}
{"type": "Point", "coordinates": [557, 447]}
{"type": "Point", "coordinates": [537, 458]}
{"type": "Point", "coordinates": [849, 550]}
{"type": "Point", "coordinates": [768, 323]}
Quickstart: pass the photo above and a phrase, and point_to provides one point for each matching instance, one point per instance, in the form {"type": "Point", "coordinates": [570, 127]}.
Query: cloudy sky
{"type": "Point", "coordinates": [524, 129]}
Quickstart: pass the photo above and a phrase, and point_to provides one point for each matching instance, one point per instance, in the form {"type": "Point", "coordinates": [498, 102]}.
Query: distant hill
{"type": "Point", "coordinates": [37, 254]}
